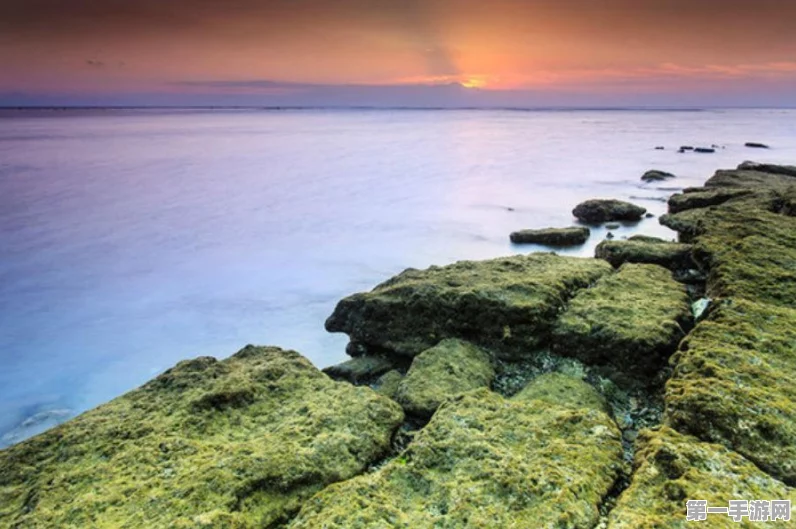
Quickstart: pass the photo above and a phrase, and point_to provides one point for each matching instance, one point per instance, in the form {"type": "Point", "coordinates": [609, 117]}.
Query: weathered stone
{"type": "Point", "coordinates": [436, 374]}
{"type": "Point", "coordinates": [670, 255]}
{"type": "Point", "coordinates": [671, 469]}
{"type": "Point", "coordinates": [506, 305]}
{"type": "Point", "coordinates": [632, 320]}
{"type": "Point", "coordinates": [647, 238]}
{"type": "Point", "coordinates": [733, 383]}
{"type": "Point", "coordinates": [552, 236]}
{"type": "Point", "coordinates": [360, 369]}
{"type": "Point", "coordinates": [485, 462]}
{"type": "Point", "coordinates": [598, 210]}
{"type": "Point", "coordinates": [233, 443]}
{"type": "Point", "coordinates": [655, 175]}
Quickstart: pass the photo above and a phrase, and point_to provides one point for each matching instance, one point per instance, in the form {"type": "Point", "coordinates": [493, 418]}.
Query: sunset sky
{"type": "Point", "coordinates": [398, 52]}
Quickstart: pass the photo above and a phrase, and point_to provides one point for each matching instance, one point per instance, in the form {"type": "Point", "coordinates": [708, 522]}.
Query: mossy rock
{"type": "Point", "coordinates": [360, 369]}
{"type": "Point", "coordinates": [688, 224]}
{"type": "Point", "coordinates": [484, 462]}
{"type": "Point", "coordinates": [552, 236]}
{"type": "Point", "coordinates": [785, 170]}
{"type": "Point", "coordinates": [563, 390]}
{"type": "Point", "coordinates": [733, 383]}
{"type": "Point", "coordinates": [674, 256]}
{"type": "Point", "coordinates": [671, 468]}
{"type": "Point", "coordinates": [506, 305]}
{"type": "Point", "coordinates": [596, 211]}
{"type": "Point", "coordinates": [704, 198]}
{"type": "Point", "coordinates": [436, 374]}
{"type": "Point", "coordinates": [647, 238]}
{"type": "Point", "coordinates": [751, 252]}
{"type": "Point", "coordinates": [754, 178]}
{"type": "Point", "coordinates": [655, 175]}
{"type": "Point", "coordinates": [632, 320]}
{"type": "Point", "coordinates": [235, 443]}
{"type": "Point", "coordinates": [388, 383]}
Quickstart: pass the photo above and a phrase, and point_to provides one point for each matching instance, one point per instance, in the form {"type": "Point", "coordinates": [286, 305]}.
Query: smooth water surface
{"type": "Point", "coordinates": [131, 240]}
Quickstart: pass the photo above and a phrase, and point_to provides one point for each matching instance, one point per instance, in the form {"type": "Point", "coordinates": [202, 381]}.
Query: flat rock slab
{"type": "Point", "coordinates": [733, 384]}
{"type": "Point", "coordinates": [233, 443]}
{"type": "Point", "coordinates": [360, 369]}
{"type": "Point", "coordinates": [436, 374]}
{"type": "Point", "coordinates": [632, 320]}
{"type": "Point", "coordinates": [485, 462]}
{"type": "Point", "coordinates": [674, 256]}
{"type": "Point", "coordinates": [597, 210]}
{"type": "Point", "coordinates": [552, 236]}
{"type": "Point", "coordinates": [506, 305]}
{"type": "Point", "coordinates": [672, 468]}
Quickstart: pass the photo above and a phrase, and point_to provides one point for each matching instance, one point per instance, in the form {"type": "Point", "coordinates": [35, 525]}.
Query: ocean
{"type": "Point", "coordinates": [133, 239]}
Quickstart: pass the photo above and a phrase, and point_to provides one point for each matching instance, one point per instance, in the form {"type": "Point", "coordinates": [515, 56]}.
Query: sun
{"type": "Point", "coordinates": [474, 82]}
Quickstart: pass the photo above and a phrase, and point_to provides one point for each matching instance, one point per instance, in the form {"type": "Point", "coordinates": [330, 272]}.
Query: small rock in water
{"type": "Point", "coordinates": [754, 145]}
{"type": "Point", "coordinates": [609, 236]}
{"type": "Point", "coordinates": [613, 226]}
{"type": "Point", "coordinates": [552, 236]}
{"type": "Point", "coordinates": [649, 215]}
{"type": "Point", "coordinates": [600, 210]}
{"type": "Point", "coordinates": [704, 149]}
{"type": "Point", "coordinates": [686, 148]}
{"type": "Point", "coordinates": [659, 148]}
{"type": "Point", "coordinates": [655, 175]}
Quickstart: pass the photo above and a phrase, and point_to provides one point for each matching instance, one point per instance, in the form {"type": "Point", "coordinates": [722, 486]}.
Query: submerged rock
{"type": "Point", "coordinates": [233, 443]}
{"type": "Point", "coordinates": [450, 368]}
{"type": "Point", "coordinates": [598, 210]}
{"type": "Point", "coordinates": [507, 305]}
{"type": "Point", "coordinates": [485, 462]}
{"type": "Point", "coordinates": [360, 369]}
{"type": "Point", "coordinates": [755, 145]}
{"type": "Point", "coordinates": [552, 236]}
{"type": "Point", "coordinates": [655, 175]}
{"type": "Point", "coordinates": [733, 384]}
{"type": "Point", "coordinates": [673, 256]}
{"type": "Point", "coordinates": [613, 226]}
{"type": "Point", "coordinates": [631, 320]}
{"type": "Point", "coordinates": [707, 150]}
{"type": "Point", "coordinates": [671, 468]}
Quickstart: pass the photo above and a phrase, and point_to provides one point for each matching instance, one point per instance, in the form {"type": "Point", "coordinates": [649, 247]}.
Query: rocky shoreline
{"type": "Point", "coordinates": [526, 391]}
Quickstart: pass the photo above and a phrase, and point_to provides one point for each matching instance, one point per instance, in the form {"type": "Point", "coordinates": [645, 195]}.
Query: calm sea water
{"type": "Point", "coordinates": [131, 240]}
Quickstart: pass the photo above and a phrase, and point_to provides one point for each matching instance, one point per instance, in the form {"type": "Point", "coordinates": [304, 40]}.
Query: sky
{"type": "Point", "coordinates": [505, 53]}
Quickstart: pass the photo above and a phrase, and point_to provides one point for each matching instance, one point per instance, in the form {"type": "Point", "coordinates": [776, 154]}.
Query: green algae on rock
{"type": "Point", "coordinates": [733, 383]}
{"type": "Point", "coordinates": [671, 468]}
{"type": "Point", "coordinates": [235, 443]}
{"type": "Point", "coordinates": [632, 320]}
{"type": "Point", "coordinates": [552, 236]}
{"type": "Point", "coordinates": [445, 370]}
{"type": "Point", "coordinates": [674, 256]}
{"type": "Point", "coordinates": [484, 462]}
{"type": "Point", "coordinates": [506, 305]}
